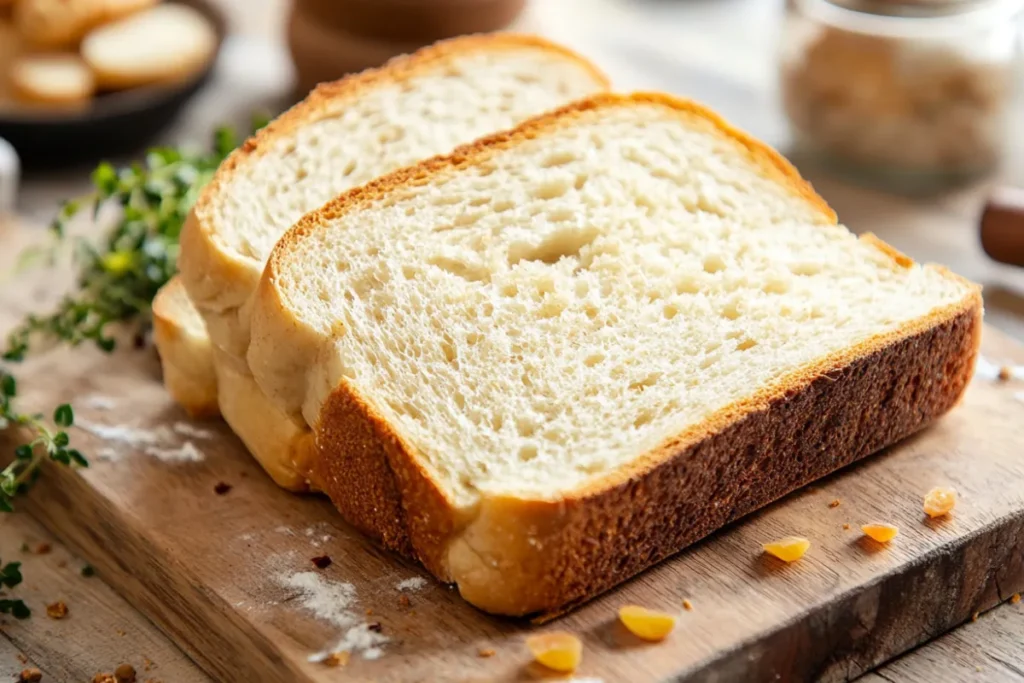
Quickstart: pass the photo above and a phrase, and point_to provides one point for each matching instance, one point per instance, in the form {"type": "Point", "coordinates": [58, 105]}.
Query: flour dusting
{"type": "Point", "coordinates": [186, 429]}
{"type": "Point", "coordinates": [186, 452]}
{"type": "Point", "coordinates": [334, 602]}
{"type": "Point", "coordinates": [161, 442]}
{"type": "Point", "coordinates": [414, 583]}
{"type": "Point", "coordinates": [97, 402]}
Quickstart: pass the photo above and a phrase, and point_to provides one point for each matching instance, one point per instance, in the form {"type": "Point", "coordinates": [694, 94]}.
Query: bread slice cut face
{"type": "Point", "coordinates": [560, 354]}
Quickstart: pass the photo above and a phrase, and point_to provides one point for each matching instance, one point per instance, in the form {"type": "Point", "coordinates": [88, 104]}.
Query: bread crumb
{"type": "Point", "coordinates": [1015, 598]}
{"type": "Point", "coordinates": [880, 532]}
{"type": "Point", "coordinates": [687, 605]}
{"type": "Point", "coordinates": [22, 658]}
{"type": "Point", "coordinates": [834, 503]}
{"type": "Point", "coordinates": [485, 652]}
{"type": "Point", "coordinates": [404, 601]}
{"type": "Point", "coordinates": [369, 611]}
{"type": "Point", "coordinates": [789, 549]}
{"type": "Point", "coordinates": [1005, 374]}
{"type": "Point", "coordinates": [939, 501]}
{"type": "Point", "coordinates": [121, 632]}
{"type": "Point", "coordinates": [125, 673]}
{"type": "Point", "coordinates": [222, 488]}
{"type": "Point", "coordinates": [336, 659]}
{"type": "Point", "coordinates": [42, 549]}
{"type": "Point", "coordinates": [57, 610]}
{"type": "Point", "coordinates": [103, 678]}
{"type": "Point", "coordinates": [147, 664]}
{"type": "Point", "coordinates": [322, 561]}
{"type": "Point", "coordinates": [974, 617]}
{"type": "Point", "coordinates": [30, 675]}
{"type": "Point", "coordinates": [846, 527]}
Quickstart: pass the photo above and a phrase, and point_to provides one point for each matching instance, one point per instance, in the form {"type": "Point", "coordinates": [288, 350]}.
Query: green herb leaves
{"type": "Point", "coordinates": [10, 576]}
{"type": "Point", "coordinates": [46, 443]}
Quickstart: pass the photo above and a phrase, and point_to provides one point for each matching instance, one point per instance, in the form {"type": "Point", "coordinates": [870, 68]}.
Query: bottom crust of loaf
{"type": "Point", "coordinates": [518, 557]}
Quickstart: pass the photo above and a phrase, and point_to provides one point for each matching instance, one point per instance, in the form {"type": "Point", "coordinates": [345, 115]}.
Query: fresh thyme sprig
{"type": "Point", "coordinates": [117, 280]}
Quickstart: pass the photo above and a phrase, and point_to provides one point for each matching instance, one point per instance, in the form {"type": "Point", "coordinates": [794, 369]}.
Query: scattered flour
{"type": "Point", "coordinates": [414, 583]}
{"type": "Point", "coordinates": [186, 452]}
{"type": "Point", "coordinates": [159, 442]}
{"type": "Point", "coordinates": [287, 531]}
{"type": "Point", "coordinates": [97, 402]}
{"type": "Point", "coordinates": [186, 429]}
{"type": "Point", "coordinates": [334, 602]}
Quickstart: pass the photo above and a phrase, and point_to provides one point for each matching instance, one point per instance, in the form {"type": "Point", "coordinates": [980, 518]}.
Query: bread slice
{"type": "Point", "coordinates": [561, 354]}
{"type": "Point", "coordinates": [186, 354]}
{"type": "Point", "coordinates": [425, 104]}
{"type": "Point", "coordinates": [55, 80]}
{"type": "Point", "coordinates": [349, 132]}
{"type": "Point", "coordinates": [283, 446]}
{"type": "Point", "coordinates": [164, 44]}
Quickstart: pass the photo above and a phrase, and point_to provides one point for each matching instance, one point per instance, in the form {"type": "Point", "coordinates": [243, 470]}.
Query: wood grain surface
{"type": "Point", "coordinates": [222, 574]}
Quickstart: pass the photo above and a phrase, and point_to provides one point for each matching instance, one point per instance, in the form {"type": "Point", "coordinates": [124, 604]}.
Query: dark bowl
{"type": "Point", "coordinates": [113, 123]}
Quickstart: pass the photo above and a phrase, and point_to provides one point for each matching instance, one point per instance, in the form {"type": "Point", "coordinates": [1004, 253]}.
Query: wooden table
{"type": "Point", "coordinates": [715, 52]}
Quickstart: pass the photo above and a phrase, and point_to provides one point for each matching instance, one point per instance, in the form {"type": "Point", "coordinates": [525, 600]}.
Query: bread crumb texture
{"type": "Point", "coordinates": [939, 501]}
{"type": "Point", "coordinates": [536, 313]}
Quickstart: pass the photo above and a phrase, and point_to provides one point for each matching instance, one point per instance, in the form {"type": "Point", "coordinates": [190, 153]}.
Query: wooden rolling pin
{"type": "Point", "coordinates": [1002, 226]}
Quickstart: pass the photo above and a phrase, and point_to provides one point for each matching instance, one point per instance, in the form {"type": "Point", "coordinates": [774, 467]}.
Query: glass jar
{"type": "Point", "coordinates": [911, 95]}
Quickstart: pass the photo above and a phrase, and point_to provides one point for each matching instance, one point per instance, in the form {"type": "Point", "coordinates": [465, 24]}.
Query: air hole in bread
{"type": "Point", "coordinates": [558, 158]}
{"type": "Point", "coordinates": [551, 189]}
{"type": "Point", "coordinates": [528, 452]}
{"type": "Point", "coordinates": [714, 263]}
{"type": "Point", "coordinates": [564, 243]}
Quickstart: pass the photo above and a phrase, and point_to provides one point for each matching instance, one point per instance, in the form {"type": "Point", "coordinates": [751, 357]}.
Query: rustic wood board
{"type": "Point", "coordinates": [215, 572]}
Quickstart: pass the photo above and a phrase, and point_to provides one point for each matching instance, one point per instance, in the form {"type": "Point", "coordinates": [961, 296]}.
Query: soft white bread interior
{"type": "Point", "coordinates": [186, 354]}
{"type": "Point", "coordinates": [350, 132]}
{"type": "Point", "coordinates": [546, 312]}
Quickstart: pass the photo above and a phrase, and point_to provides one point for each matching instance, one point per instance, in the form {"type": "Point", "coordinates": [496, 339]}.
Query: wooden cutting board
{"type": "Point", "coordinates": [229, 576]}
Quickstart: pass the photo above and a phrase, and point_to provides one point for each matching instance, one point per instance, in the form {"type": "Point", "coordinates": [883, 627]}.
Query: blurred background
{"type": "Point", "coordinates": [907, 115]}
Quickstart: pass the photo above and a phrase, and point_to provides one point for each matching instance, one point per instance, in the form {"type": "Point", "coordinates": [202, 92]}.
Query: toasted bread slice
{"type": "Point", "coordinates": [558, 355]}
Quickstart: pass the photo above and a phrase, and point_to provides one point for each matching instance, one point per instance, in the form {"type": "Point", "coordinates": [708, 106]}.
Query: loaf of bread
{"type": "Point", "coordinates": [561, 354]}
{"type": "Point", "coordinates": [344, 134]}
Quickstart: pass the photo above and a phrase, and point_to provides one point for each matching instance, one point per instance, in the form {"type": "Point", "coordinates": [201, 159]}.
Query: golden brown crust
{"type": "Point", "coordinates": [208, 270]}
{"type": "Point", "coordinates": [517, 556]}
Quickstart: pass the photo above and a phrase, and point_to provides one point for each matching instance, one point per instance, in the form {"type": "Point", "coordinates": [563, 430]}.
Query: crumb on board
{"type": "Point", "coordinates": [125, 673]}
{"type": "Point", "coordinates": [974, 617]}
{"type": "Point", "coordinates": [147, 664]}
{"type": "Point", "coordinates": [222, 488]}
{"type": "Point", "coordinates": [42, 548]}
{"type": "Point", "coordinates": [788, 549]}
{"type": "Point", "coordinates": [834, 503]}
{"type": "Point", "coordinates": [846, 526]}
{"type": "Point", "coordinates": [404, 601]}
{"type": "Point", "coordinates": [1005, 374]}
{"type": "Point", "coordinates": [88, 571]}
{"type": "Point", "coordinates": [322, 561]}
{"type": "Point", "coordinates": [57, 610]}
{"type": "Point", "coordinates": [646, 624]}
{"type": "Point", "coordinates": [30, 675]}
{"type": "Point", "coordinates": [687, 605]}
{"type": "Point", "coordinates": [336, 659]}
{"type": "Point", "coordinates": [880, 532]}
{"type": "Point", "coordinates": [485, 652]}
{"type": "Point", "coordinates": [22, 658]}
{"type": "Point", "coordinates": [103, 678]}
{"type": "Point", "coordinates": [1015, 598]}
{"type": "Point", "coordinates": [939, 501]}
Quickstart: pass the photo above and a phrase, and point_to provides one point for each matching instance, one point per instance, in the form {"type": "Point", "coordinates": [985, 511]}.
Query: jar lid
{"type": "Point", "coordinates": [910, 18]}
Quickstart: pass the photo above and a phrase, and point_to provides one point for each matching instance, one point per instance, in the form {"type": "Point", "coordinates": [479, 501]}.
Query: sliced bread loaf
{"type": "Point", "coordinates": [547, 361]}
{"type": "Point", "coordinates": [348, 133]}
{"type": "Point", "coordinates": [344, 134]}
